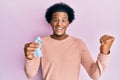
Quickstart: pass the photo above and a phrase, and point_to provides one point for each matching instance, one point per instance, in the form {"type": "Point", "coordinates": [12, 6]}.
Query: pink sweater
{"type": "Point", "coordinates": [62, 59]}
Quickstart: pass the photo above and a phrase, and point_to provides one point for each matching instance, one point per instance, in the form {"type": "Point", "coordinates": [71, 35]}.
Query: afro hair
{"type": "Point", "coordinates": [60, 7]}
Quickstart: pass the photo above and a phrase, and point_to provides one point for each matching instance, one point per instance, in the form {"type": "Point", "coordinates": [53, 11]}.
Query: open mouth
{"type": "Point", "coordinates": [59, 28]}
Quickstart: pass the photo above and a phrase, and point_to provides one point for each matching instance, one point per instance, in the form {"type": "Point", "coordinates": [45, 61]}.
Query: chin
{"type": "Point", "coordinates": [59, 35]}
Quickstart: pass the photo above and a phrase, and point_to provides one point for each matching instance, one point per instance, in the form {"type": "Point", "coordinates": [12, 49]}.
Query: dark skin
{"type": "Point", "coordinates": [60, 23]}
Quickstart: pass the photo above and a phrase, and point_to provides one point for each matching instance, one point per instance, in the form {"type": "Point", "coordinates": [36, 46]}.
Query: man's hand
{"type": "Point", "coordinates": [106, 43]}
{"type": "Point", "coordinates": [29, 49]}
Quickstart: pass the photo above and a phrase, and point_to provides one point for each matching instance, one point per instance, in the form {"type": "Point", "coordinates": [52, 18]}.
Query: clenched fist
{"type": "Point", "coordinates": [106, 43]}
{"type": "Point", "coordinates": [29, 50]}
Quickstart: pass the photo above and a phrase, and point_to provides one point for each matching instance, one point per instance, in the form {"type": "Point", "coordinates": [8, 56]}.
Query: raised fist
{"type": "Point", "coordinates": [106, 43]}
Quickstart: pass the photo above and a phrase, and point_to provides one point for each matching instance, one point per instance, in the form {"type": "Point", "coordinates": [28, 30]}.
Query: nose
{"type": "Point", "coordinates": [59, 23]}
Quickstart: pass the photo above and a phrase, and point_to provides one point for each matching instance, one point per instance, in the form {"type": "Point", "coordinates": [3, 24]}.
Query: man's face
{"type": "Point", "coordinates": [59, 23]}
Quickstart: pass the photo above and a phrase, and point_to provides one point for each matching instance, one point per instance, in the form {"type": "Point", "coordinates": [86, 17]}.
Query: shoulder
{"type": "Point", "coordinates": [45, 38]}
{"type": "Point", "coordinates": [76, 39]}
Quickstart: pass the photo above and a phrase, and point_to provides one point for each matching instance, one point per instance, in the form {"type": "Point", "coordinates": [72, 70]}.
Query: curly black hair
{"type": "Point", "coordinates": [60, 7]}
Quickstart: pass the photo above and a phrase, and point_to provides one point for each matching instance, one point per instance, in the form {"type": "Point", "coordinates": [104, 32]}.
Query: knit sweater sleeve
{"type": "Point", "coordinates": [93, 68]}
{"type": "Point", "coordinates": [31, 67]}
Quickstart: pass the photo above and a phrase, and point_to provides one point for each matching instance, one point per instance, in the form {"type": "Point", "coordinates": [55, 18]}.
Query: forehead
{"type": "Point", "coordinates": [60, 14]}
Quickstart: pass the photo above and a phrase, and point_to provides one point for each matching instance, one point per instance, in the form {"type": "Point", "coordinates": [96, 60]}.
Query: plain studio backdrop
{"type": "Point", "coordinates": [21, 21]}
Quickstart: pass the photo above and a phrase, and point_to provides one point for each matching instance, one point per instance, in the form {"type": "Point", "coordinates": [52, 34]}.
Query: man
{"type": "Point", "coordinates": [63, 54]}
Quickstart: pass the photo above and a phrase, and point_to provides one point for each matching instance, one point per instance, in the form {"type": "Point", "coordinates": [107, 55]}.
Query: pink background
{"type": "Point", "coordinates": [22, 20]}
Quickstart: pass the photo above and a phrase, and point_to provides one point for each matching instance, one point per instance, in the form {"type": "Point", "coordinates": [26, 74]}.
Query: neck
{"type": "Point", "coordinates": [59, 37]}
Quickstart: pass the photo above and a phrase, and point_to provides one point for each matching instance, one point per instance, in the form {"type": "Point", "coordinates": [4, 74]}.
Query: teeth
{"type": "Point", "coordinates": [59, 28]}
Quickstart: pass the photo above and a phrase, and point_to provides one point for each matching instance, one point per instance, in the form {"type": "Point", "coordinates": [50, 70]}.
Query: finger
{"type": "Point", "coordinates": [27, 44]}
{"type": "Point", "coordinates": [30, 57]}
{"type": "Point", "coordinates": [32, 44]}
{"type": "Point", "coordinates": [102, 39]}
{"type": "Point", "coordinates": [29, 53]}
{"type": "Point", "coordinates": [110, 39]}
{"type": "Point", "coordinates": [35, 45]}
{"type": "Point", "coordinates": [30, 49]}
{"type": "Point", "coordinates": [105, 38]}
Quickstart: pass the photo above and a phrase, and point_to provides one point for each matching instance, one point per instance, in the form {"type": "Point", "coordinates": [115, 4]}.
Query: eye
{"type": "Point", "coordinates": [55, 20]}
{"type": "Point", "coordinates": [64, 20]}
